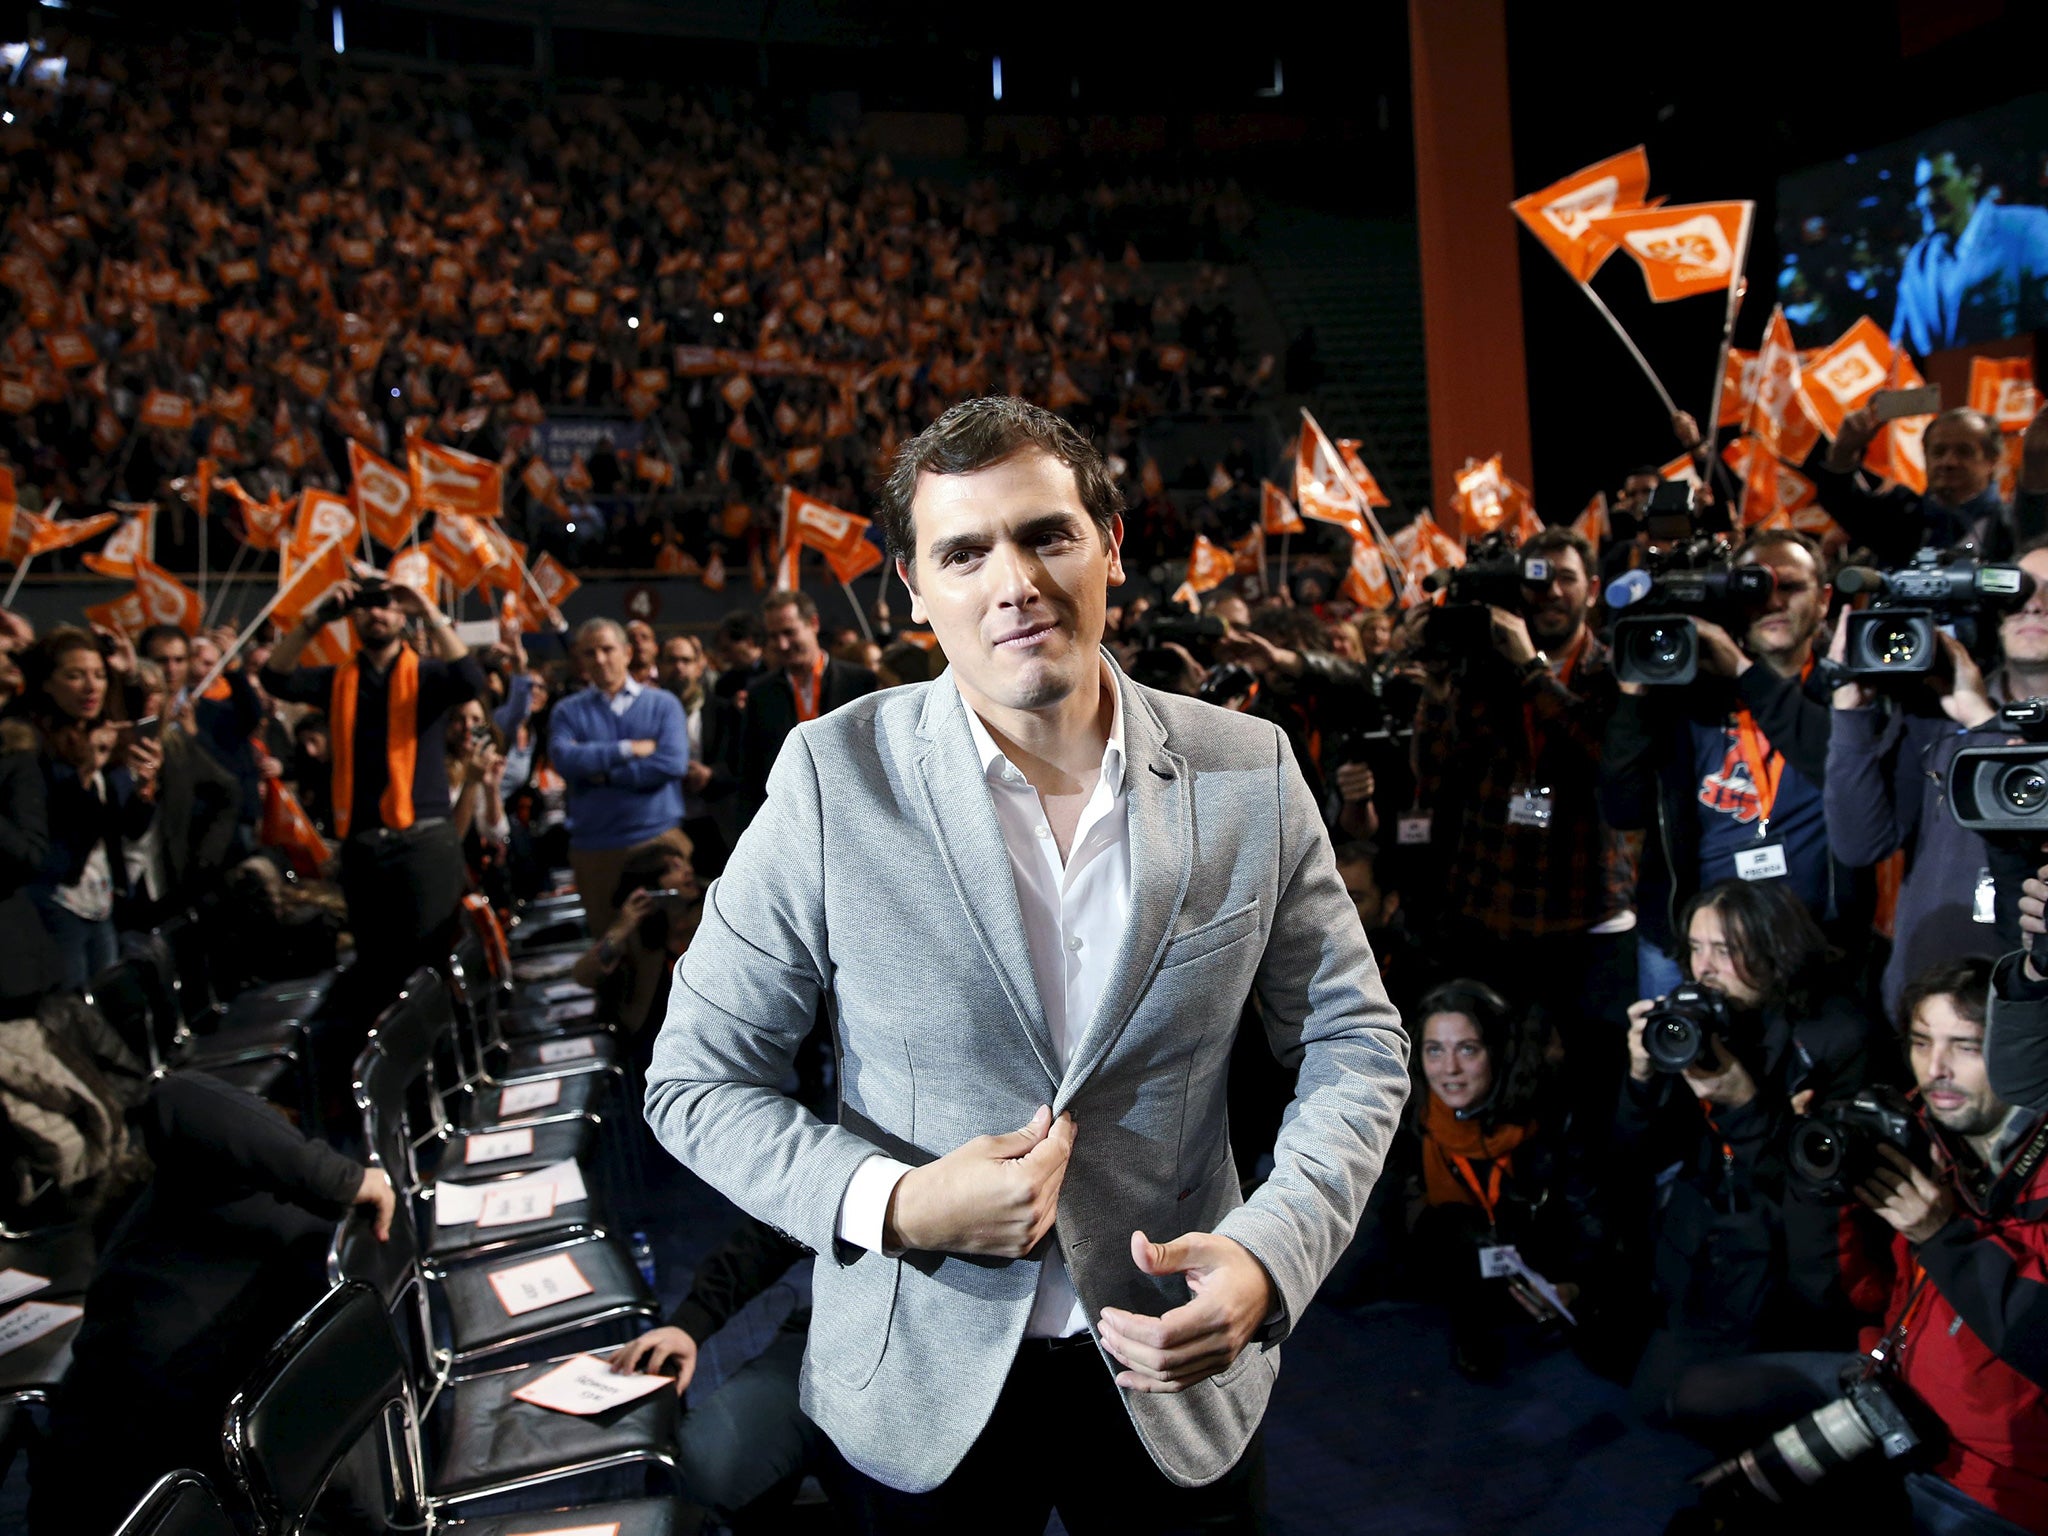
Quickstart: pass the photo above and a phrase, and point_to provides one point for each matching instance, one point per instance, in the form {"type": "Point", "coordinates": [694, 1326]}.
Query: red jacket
{"type": "Point", "coordinates": [1976, 1347]}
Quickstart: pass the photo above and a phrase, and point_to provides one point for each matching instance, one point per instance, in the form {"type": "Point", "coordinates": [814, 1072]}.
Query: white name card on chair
{"type": "Point", "coordinates": [495, 1146]}
{"type": "Point", "coordinates": [516, 1201]}
{"type": "Point", "coordinates": [553, 1051]}
{"type": "Point", "coordinates": [586, 1385]}
{"type": "Point", "coordinates": [17, 1283]}
{"type": "Point", "coordinates": [457, 1205]}
{"type": "Point", "coordinates": [524, 1288]}
{"type": "Point", "coordinates": [517, 1098]}
{"type": "Point", "coordinates": [31, 1320]}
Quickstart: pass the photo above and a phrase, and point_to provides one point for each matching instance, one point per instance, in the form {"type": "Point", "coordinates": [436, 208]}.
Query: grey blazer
{"type": "Point", "coordinates": [876, 877]}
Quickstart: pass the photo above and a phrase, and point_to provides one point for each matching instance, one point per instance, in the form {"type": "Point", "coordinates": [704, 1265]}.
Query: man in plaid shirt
{"type": "Point", "coordinates": [1537, 888]}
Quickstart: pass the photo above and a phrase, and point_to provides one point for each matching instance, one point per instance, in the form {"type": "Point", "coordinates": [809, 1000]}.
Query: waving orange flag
{"type": "Point", "coordinates": [1844, 376]}
{"type": "Point", "coordinates": [134, 540]}
{"type": "Point", "coordinates": [1276, 513]}
{"type": "Point", "coordinates": [1209, 565]}
{"type": "Point", "coordinates": [1561, 214]}
{"type": "Point", "coordinates": [383, 496]}
{"type": "Point", "coordinates": [1684, 250]}
{"type": "Point", "coordinates": [461, 482]}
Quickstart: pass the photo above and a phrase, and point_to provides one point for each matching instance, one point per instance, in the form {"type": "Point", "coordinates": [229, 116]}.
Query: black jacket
{"type": "Point", "coordinates": [1892, 524]}
{"type": "Point", "coordinates": [753, 1257]}
{"type": "Point", "coordinates": [2016, 1036]}
{"type": "Point", "coordinates": [1736, 1254]}
{"type": "Point", "coordinates": [771, 715]}
{"type": "Point", "coordinates": [28, 959]}
{"type": "Point", "coordinates": [1647, 777]}
{"type": "Point", "coordinates": [198, 804]}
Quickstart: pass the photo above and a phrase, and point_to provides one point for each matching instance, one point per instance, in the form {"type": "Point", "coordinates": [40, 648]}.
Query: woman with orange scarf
{"type": "Point", "coordinates": [1497, 1234]}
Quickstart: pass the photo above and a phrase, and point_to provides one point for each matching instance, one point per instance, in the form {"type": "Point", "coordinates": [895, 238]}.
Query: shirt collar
{"type": "Point", "coordinates": [631, 691]}
{"type": "Point", "coordinates": [998, 768]}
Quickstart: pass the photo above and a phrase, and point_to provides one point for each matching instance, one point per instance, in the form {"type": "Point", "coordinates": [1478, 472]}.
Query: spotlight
{"type": "Point", "coordinates": [632, 322]}
{"type": "Point", "coordinates": [6, 117]}
{"type": "Point", "coordinates": [394, 391]}
{"type": "Point", "coordinates": [572, 527]}
{"type": "Point", "coordinates": [998, 80]}
{"type": "Point", "coordinates": [340, 42]}
{"type": "Point", "coordinates": [718, 317]}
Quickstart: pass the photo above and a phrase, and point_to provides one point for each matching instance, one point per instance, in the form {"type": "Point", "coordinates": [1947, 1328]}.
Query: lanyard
{"type": "Point", "coordinates": [1530, 729]}
{"type": "Point", "coordinates": [807, 703]}
{"type": "Point", "coordinates": [1766, 767]}
{"type": "Point", "coordinates": [1886, 1350]}
{"type": "Point", "coordinates": [1488, 1197]}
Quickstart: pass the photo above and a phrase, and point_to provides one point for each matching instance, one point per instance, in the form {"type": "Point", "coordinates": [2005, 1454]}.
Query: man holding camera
{"type": "Point", "coordinates": [1887, 778]}
{"type": "Point", "coordinates": [1725, 774]}
{"type": "Point", "coordinates": [1962, 1287]}
{"type": "Point", "coordinates": [1716, 1070]}
{"type": "Point", "coordinates": [401, 862]}
{"type": "Point", "coordinates": [1510, 746]}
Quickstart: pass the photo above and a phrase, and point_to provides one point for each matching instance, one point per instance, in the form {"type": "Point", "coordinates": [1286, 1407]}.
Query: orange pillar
{"type": "Point", "coordinates": [1471, 285]}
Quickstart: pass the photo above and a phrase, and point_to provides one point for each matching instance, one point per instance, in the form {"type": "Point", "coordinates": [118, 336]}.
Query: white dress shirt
{"type": "Point", "coordinates": [619, 703]}
{"type": "Point", "coordinates": [1074, 919]}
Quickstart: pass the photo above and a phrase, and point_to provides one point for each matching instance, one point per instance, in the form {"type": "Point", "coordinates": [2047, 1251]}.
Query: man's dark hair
{"type": "Point", "coordinates": [1767, 537]}
{"type": "Point", "coordinates": [977, 433]}
{"type": "Point", "coordinates": [742, 625]}
{"type": "Point", "coordinates": [789, 597]}
{"type": "Point", "coordinates": [1556, 537]}
{"type": "Point", "coordinates": [1965, 982]}
{"type": "Point", "coordinates": [1655, 472]}
{"type": "Point", "coordinates": [1292, 629]}
{"type": "Point", "coordinates": [1990, 437]}
{"type": "Point", "coordinates": [149, 637]}
{"type": "Point", "coordinates": [1774, 939]}
{"type": "Point", "coordinates": [2027, 547]}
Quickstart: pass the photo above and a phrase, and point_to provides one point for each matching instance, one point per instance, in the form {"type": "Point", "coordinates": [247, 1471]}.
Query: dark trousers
{"type": "Point", "coordinates": [1060, 1438]}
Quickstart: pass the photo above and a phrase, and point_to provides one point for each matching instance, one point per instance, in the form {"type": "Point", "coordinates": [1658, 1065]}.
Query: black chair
{"type": "Point", "coordinates": [181, 1504]}
{"type": "Point", "coordinates": [340, 1374]}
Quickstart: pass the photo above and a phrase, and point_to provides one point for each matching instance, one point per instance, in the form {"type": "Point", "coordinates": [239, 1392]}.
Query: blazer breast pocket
{"type": "Point", "coordinates": [1212, 937]}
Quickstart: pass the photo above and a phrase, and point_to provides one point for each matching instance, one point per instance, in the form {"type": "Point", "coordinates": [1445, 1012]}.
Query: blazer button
{"type": "Point", "coordinates": [1184, 1194]}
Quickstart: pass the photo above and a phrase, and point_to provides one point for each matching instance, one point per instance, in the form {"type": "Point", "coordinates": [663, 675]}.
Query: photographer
{"type": "Point", "coordinates": [1725, 775]}
{"type": "Point", "coordinates": [401, 860]}
{"type": "Point", "coordinates": [1962, 1286]}
{"type": "Point", "coordinates": [1507, 750]}
{"type": "Point", "coordinates": [1962, 448]}
{"type": "Point", "coordinates": [1715, 1074]}
{"type": "Point", "coordinates": [1887, 782]}
{"type": "Point", "coordinates": [659, 904]}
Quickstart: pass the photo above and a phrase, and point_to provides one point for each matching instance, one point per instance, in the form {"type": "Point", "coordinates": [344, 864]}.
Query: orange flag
{"type": "Point", "coordinates": [125, 615]}
{"type": "Point", "coordinates": [1779, 414]}
{"type": "Point", "coordinates": [1591, 524]}
{"type": "Point", "coordinates": [382, 495]}
{"type": "Point", "coordinates": [1560, 215]}
{"type": "Point", "coordinates": [1365, 582]}
{"type": "Point", "coordinates": [1738, 387]}
{"type": "Point", "coordinates": [134, 540]}
{"type": "Point", "coordinates": [263, 521]}
{"type": "Point", "coordinates": [46, 534]}
{"type": "Point", "coordinates": [1347, 450]}
{"type": "Point", "coordinates": [323, 518]}
{"type": "Point", "coordinates": [549, 575]}
{"type": "Point", "coordinates": [864, 558]}
{"type": "Point", "coordinates": [166, 599]}
{"type": "Point", "coordinates": [1321, 487]}
{"type": "Point", "coordinates": [1248, 554]}
{"type": "Point", "coordinates": [412, 568]}
{"type": "Point", "coordinates": [1220, 483]}
{"type": "Point", "coordinates": [1842, 377]}
{"type": "Point", "coordinates": [714, 573]}
{"type": "Point", "coordinates": [1481, 499]}
{"type": "Point", "coordinates": [162, 408]}
{"type": "Point", "coordinates": [286, 827]}
{"type": "Point", "coordinates": [2003, 389]}
{"type": "Point", "coordinates": [543, 485]}
{"type": "Point", "coordinates": [1276, 513]}
{"type": "Point", "coordinates": [1898, 453]}
{"type": "Point", "coordinates": [461, 548]}
{"type": "Point", "coordinates": [1208, 565]}
{"type": "Point", "coordinates": [1684, 250]}
{"type": "Point", "coordinates": [302, 579]}
{"type": "Point", "coordinates": [807, 520]}
{"type": "Point", "coordinates": [654, 469]}
{"type": "Point", "coordinates": [461, 482]}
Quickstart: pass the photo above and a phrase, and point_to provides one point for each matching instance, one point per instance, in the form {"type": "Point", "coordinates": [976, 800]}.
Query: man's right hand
{"type": "Point", "coordinates": [333, 604]}
{"type": "Point", "coordinates": [1852, 694]}
{"type": "Point", "coordinates": [642, 748]}
{"type": "Point", "coordinates": [656, 1348]}
{"type": "Point", "coordinates": [996, 1195]}
{"type": "Point", "coordinates": [1858, 430]}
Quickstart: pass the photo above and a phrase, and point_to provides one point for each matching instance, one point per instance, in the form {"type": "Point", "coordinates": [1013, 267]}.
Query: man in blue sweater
{"type": "Point", "coordinates": [622, 749]}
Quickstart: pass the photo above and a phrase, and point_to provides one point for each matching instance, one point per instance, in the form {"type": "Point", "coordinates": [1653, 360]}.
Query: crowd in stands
{"type": "Point", "coordinates": [212, 260]}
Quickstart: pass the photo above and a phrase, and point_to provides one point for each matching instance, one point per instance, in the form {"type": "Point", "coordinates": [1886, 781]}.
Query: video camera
{"type": "Point", "coordinates": [1897, 635]}
{"type": "Point", "coordinates": [1687, 575]}
{"type": "Point", "coordinates": [2004, 788]}
{"type": "Point", "coordinates": [1835, 1148]}
{"type": "Point", "coordinates": [1494, 575]}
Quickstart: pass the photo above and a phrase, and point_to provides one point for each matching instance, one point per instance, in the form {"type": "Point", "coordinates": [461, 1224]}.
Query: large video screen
{"type": "Point", "coordinates": [1941, 238]}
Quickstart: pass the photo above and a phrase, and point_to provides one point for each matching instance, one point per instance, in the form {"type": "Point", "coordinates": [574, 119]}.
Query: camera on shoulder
{"type": "Point", "coordinates": [2004, 788]}
{"type": "Point", "coordinates": [1897, 636]}
{"type": "Point", "coordinates": [1495, 575]}
{"type": "Point", "coordinates": [1688, 574]}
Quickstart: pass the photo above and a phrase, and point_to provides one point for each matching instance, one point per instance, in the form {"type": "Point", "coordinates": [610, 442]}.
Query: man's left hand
{"type": "Point", "coordinates": [1719, 654]}
{"type": "Point", "coordinates": [1232, 1296]}
{"type": "Point", "coordinates": [1906, 1197]}
{"type": "Point", "coordinates": [1511, 637]}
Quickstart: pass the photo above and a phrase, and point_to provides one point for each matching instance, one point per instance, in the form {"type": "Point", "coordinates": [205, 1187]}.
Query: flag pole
{"type": "Point", "coordinates": [858, 617]}
{"type": "Point", "coordinates": [198, 689]}
{"type": "Point", "coordinates": [14, 586]}
{"type": "Point", "coordinates": [220, 596]}
{"type": "Point", "coordinates": [561, 624]}
{"type": "Point", "coordinates": [1636, 352]}
{"type": "Point", "coordinates": [1735, 290]}
{"type": "Point", "coordinates": [1283, 560]}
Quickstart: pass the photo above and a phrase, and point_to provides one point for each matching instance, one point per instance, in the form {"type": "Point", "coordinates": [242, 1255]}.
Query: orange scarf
{"type": "Point", "coordinates": [1450, 1148]}
{"type": "Point", "coordinates": [401, 741]}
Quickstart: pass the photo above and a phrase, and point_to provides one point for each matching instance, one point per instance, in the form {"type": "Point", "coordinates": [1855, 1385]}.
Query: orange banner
{"type": "Point", "coordinates": [2003, 389]}
{"type": "Point", "coordinates": [167, 599]}
{"type": "Point", "coordinates": [382, 495]}
{"type": "Point", "coordinates": [161, 408]}
{"type": "Point", "coordinates": [1842, 377]}
{"type": "Point", "coordinates": [1561, 214]}
{"type": "Point", "coordinates": [1689, 249]}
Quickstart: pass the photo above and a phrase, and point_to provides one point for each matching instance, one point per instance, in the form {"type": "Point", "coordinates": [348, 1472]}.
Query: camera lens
{"type": "Point", "coordinates": [1894, 645]}
{"type": "Point", "coordinates": [1672, 1041]}
{"type": "Point", "coordinates": [1817, 1152]}
{"type": "Point", "coordinates": [2024, 788]}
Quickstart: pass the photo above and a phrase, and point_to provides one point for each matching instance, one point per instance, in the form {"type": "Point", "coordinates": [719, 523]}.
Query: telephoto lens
{"type": "Point", "coordinates": [1869, 1415]}
{"type": "Point", "coordinates": [1678, 1030]}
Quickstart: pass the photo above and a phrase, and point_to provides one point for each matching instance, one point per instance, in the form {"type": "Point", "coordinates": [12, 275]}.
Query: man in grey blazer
{"type": "Point", "coordinates": [1033, 894]}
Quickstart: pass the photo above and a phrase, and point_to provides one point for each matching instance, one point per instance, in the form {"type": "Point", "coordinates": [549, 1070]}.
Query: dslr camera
{"type": "Point", "coordinates": [1494, 575]}
{"type": "Point", "coordinates": [1874, 1412]}
{"type": "Point", "coordinates": [2004, 788]}
{"type": "Point", "coordinates": [1897, 635]}
{"type": "Point", "coordinates": [1680, 1029]}
{"type": "Point", "coordinates": [1835, 1148]}
{"type": "Point", "coordinates": [1688, 575]}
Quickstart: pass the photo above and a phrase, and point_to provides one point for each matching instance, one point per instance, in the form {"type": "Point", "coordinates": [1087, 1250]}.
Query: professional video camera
{"type": "Point", "coordinates": [1687, 575]}
{"type": "Point", "coordinates": [2004, 788]}
{"type": "Point", "coordinates": [1494, 575]}
{"type": "Point", "coordinates": [1896, 635]}
{"type": "Point", "coordinates": [1874, 1412]}
{"type": "Point", "coordinates": [1678, 1030]}
{"type": "Point", "coordinates": [1835, 1148]}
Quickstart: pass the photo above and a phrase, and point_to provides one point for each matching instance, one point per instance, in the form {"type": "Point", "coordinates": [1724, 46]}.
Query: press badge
{"type": "Point", "coordinates": [1413, 831]}
{"type": "Point", "coordinates": [1499, 1260]}
{"type": "Point", "coordinates": [1529, 808]}
{"type": "Point", "coordinates": [1766, 861]}
{"type": "Point", "coordinates": [1984, 907]}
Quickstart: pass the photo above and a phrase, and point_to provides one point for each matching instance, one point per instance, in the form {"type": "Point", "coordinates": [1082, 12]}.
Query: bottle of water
{"type": "Point", "coordinates": [643, 1258]}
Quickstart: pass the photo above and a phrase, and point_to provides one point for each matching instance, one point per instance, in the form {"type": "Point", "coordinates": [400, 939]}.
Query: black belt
{"type": "Point", "coordinates": [1052, 1346]}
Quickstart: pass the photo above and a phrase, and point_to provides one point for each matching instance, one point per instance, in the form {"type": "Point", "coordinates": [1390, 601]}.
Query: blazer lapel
{"type": "Point", "coordinates": [963, 822]}
{"type": "Point", "coordinates": [1159, 807]}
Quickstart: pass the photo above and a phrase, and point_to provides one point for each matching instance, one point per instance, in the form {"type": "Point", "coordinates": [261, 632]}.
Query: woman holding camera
{"type": "Point", "coordinates": [1717, 1069]}
{"type": "Point", "coordinates": [1501, 1234]}
{"type": "Point", "coordinates": [476, 770]}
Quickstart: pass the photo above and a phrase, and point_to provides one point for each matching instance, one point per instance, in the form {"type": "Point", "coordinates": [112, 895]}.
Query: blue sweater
{"type": "Point", "coordinates": [617, 800]}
